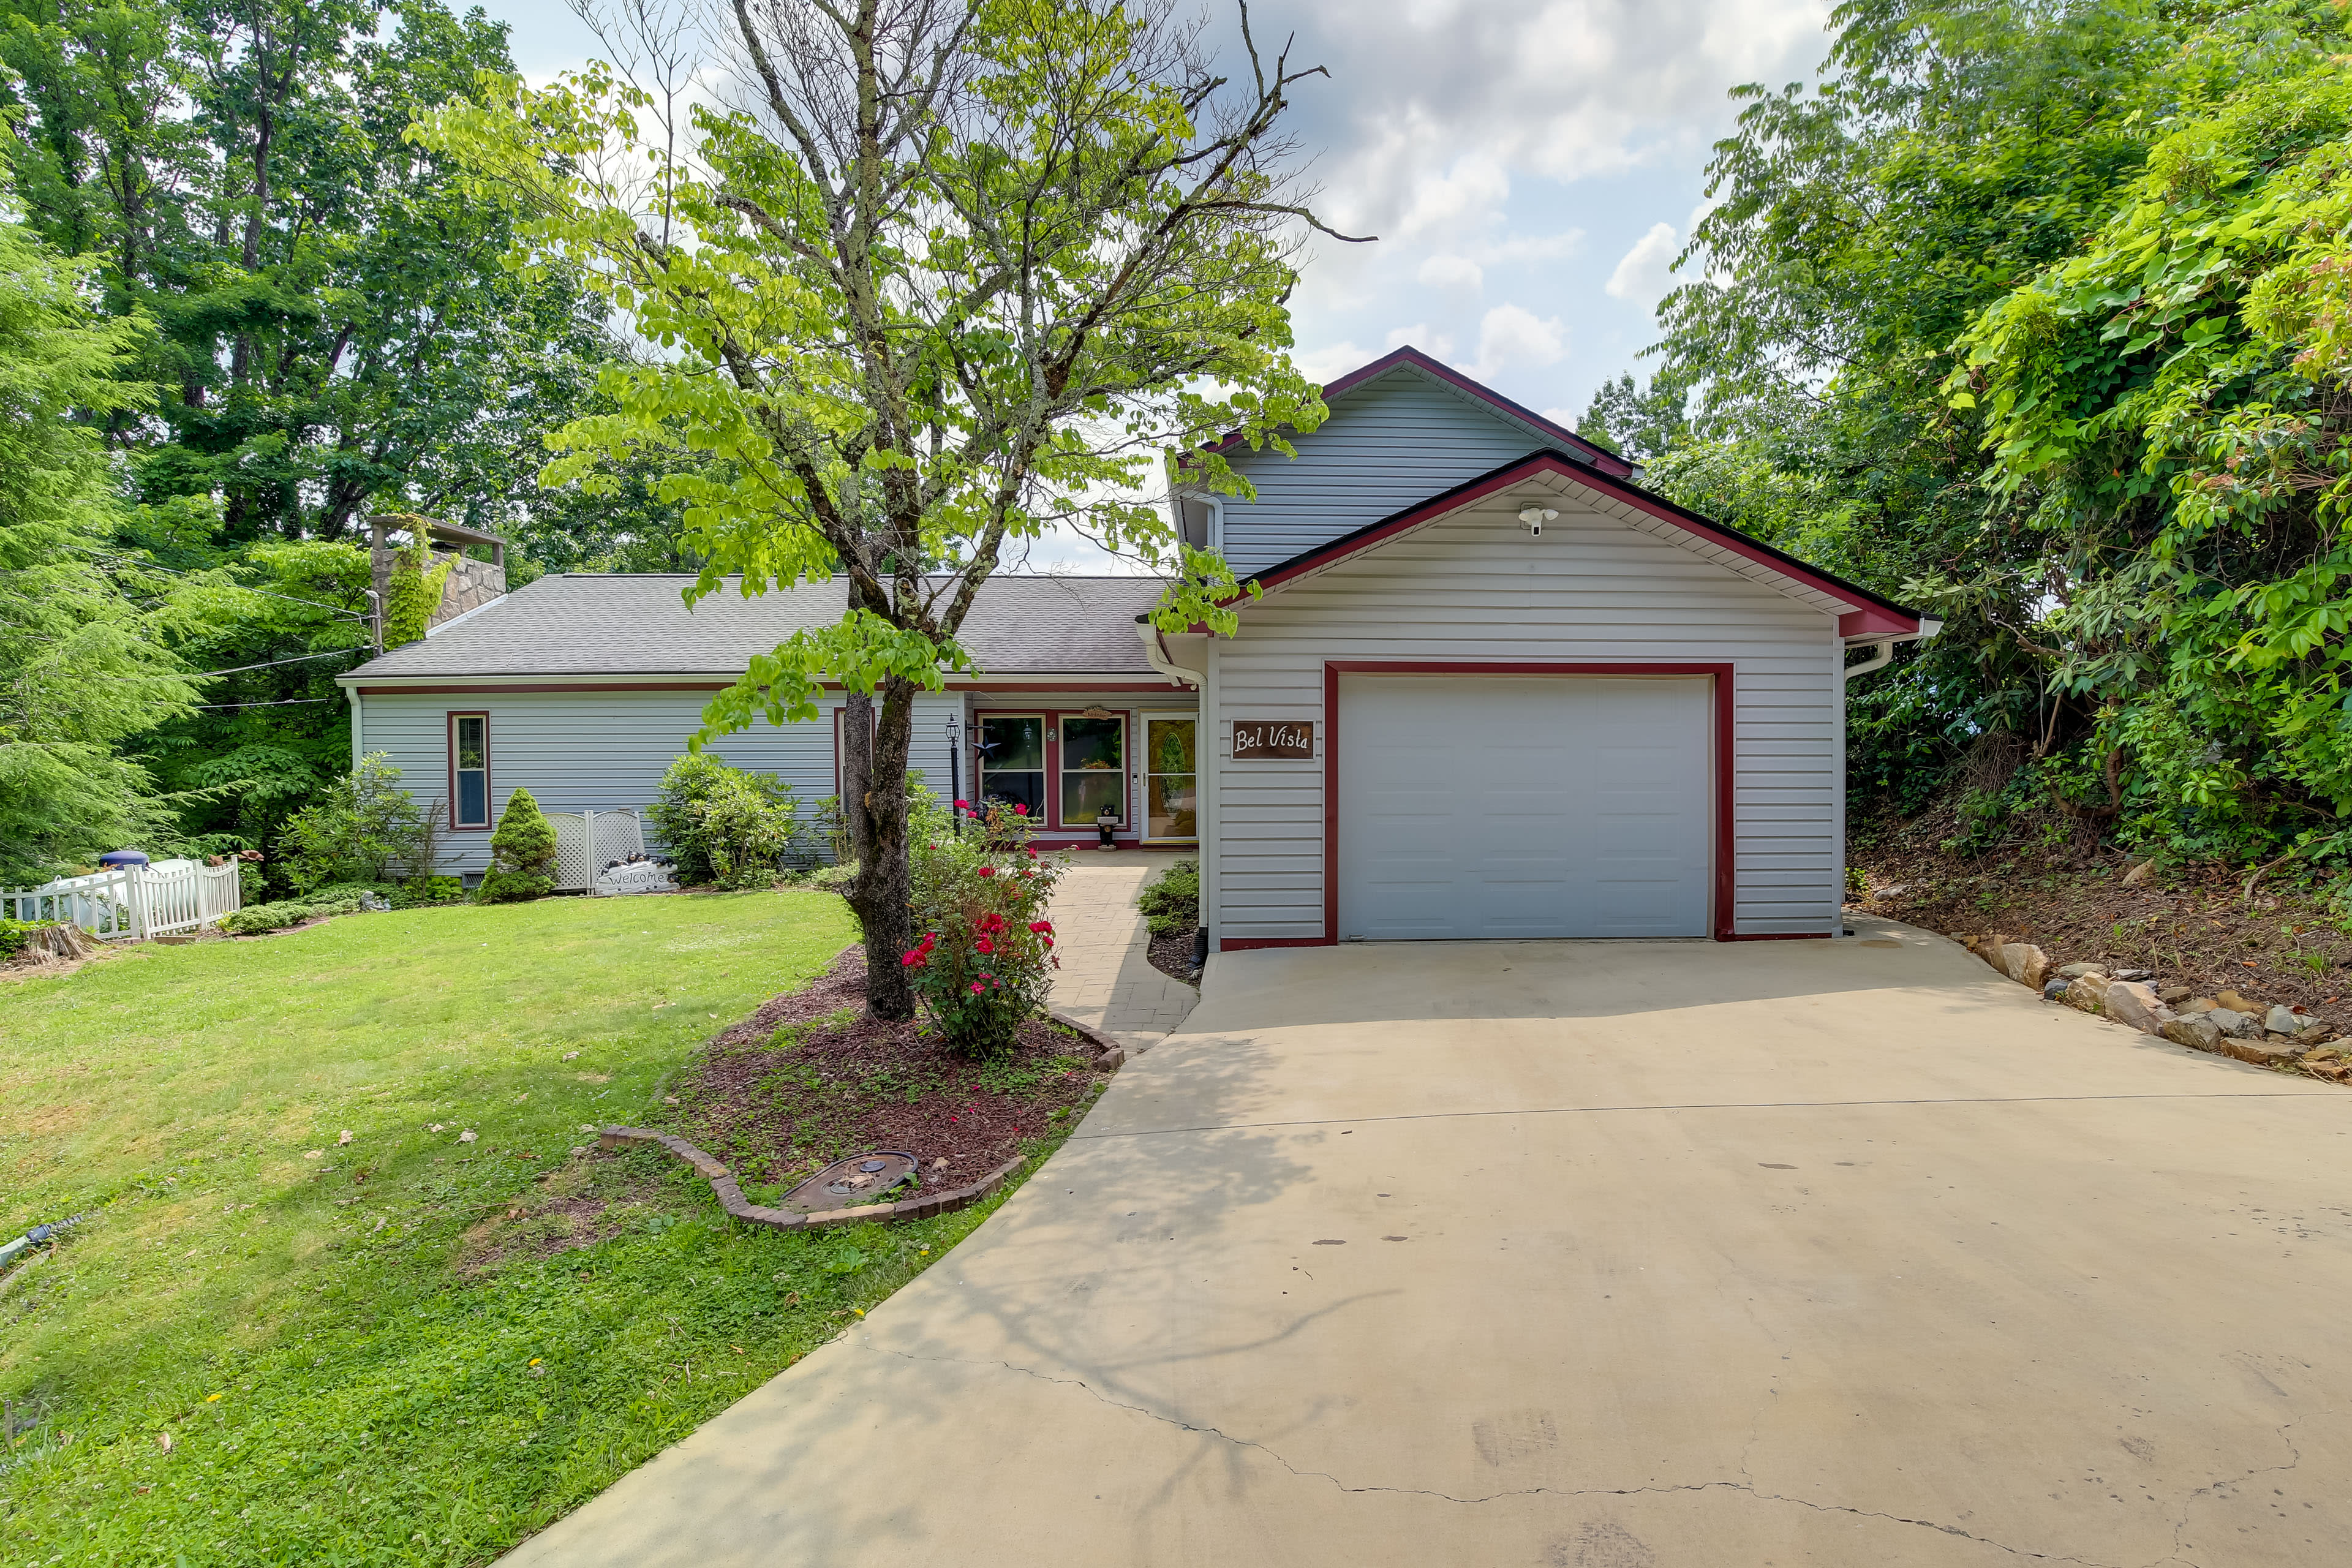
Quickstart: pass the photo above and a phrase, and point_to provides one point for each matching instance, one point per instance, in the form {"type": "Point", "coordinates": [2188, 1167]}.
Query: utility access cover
{"type": "Point", "coordinates": [845, 1184]}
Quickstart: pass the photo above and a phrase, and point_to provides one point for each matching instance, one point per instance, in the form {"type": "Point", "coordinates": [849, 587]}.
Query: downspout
{"type": "Point", "coordinates": [1155, 653]}
{"type": "Point", "coordinates": [1878, 661]}
{"type": "Point", "coordinates": [358, 749]}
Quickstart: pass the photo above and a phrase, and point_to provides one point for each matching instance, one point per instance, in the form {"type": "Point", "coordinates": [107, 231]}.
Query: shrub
{"type": "Point", "coordinates": [358, 831]}
{"type": "Point", "coordinates": [289, 913]}
{"type": "Point", "coordinates": [723, 824]}
{"type": "Point", "coordinates": [984, 962]}
{"type": "Point", "coordinates": [522, 854]}
{"type": "Point", "coordinates": [1172, 901]}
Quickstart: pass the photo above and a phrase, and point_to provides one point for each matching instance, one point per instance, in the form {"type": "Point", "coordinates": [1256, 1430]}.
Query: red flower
{"type": "Point", "coordinates": [963, 805]}
{"type": "Point", "coordinates": [917, 957]}
{"type": "Point", "coordinates": [984, 945]}
{"type": "Point", "coordinates": [1033, 854]}
{"type": "Point", "coordinates": [1041, 925]}
{"type": "Point", "coordinates": [1019, 809]}
{"type": "Point", "coordinates": [988, 870]}
{"type": "Point", "coordinates": [976, 987]}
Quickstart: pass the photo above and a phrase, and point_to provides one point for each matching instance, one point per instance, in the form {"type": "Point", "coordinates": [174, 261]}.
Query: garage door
{"type": "Point", "coordinates": [1524, 806]}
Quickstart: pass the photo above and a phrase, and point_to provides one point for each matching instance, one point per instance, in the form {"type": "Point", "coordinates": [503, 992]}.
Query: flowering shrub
{"type": "Point", "coordinates": [984, 962]}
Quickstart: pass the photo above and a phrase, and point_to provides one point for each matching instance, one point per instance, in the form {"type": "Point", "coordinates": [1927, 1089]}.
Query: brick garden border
{"type": "Point", "coordinates": [1108, 1056]}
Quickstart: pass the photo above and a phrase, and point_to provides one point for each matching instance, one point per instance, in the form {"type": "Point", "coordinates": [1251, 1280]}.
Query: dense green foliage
{"type": "Point", "coordinates": [298, 320]}
{"type": "Point", "coordinates": [288, 912]}
{"type": "Point", "coordinates": [2026, 315]}
{"type": "Point", "coordinates": [363, 828]}
{"type": "Point", "coordinates": [522, 854]}
{"type": "Point", "coordinates": [721, 825]}
{"type": "Point", "coordinates": [85, 657]}
{"type": "Point", "coordinates": [1171, 901]}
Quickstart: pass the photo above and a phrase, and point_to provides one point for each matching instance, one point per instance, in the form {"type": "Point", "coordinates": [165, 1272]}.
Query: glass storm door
{"type": "Point", "coordinates": [1093, 769]}
{"type": "Point", "coordinates": [1013, 759]}
{"type": "Point", "coordinates": [1168, 781]}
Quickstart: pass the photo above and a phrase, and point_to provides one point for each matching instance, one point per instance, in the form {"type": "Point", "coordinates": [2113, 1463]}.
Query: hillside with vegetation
{"type": "Point", "coordinates": [2032, 317]}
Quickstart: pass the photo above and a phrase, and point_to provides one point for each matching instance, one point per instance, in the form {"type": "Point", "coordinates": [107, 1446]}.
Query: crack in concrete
{"type": "Point", "coordinates": [1746, 1488]}
{"type": "Point", "coordinates": [2188, 1503]}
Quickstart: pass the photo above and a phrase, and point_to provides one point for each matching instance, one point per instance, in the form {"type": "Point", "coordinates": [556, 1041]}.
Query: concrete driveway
{"type": "Point", "coordinates": [1606, 1255]}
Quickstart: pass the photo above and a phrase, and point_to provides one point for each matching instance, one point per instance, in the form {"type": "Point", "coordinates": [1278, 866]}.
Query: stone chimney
{"type": "Point", "coordinates": [472, 580]}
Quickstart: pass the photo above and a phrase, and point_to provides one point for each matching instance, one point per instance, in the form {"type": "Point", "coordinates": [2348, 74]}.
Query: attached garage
{"type": "Point", "coordinates": [1536, 804]}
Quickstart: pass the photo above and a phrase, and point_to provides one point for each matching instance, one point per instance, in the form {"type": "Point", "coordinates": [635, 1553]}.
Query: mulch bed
{"type": "Point", "coordinates": [1172, 954]}
{"type": "Point", "coordinates": [809, 1079]}
{"type": "Point", "coordinates": [2192, 925]}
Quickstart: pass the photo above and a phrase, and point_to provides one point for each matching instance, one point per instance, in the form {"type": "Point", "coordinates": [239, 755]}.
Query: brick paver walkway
{"type": "Point", "coordinates": [1106, 981]}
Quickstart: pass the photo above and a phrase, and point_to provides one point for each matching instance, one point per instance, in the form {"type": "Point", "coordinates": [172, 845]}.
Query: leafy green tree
{"type": "Point", "coordinates": [1955, 150]}
{"type": "Point", "coordinates": [84, 658]}
{"type": "Point", "coordinates": [949, 273]}
{"type": "Point", "coordinates": [2170, 404]}
{"type": "Point", "coordinates": [522, 854]}
{"type": "Point", "coordinates": [334, 319]}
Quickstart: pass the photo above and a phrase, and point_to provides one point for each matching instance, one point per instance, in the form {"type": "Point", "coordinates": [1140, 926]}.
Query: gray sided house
{"type": "Point", "coordinates": [1493, 689]}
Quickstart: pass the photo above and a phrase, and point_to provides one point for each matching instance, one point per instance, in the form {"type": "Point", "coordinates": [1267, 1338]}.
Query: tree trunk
{"type": "Point", "coordinates": [873, 800]}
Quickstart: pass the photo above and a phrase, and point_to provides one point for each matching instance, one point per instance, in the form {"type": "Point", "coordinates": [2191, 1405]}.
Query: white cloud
{"type": "Point", "coordinates": [1451, 272]}
{"type": "Point", "coordinates": [1565, 417]}
{"type": "Point", "coordinates": [1510, 336]}
{"type": "Point", "coordinates": [1642, 275]}
{"type": "Point", "coordinates": [1438, 345]}
{"type": "Point", "coordinates": [1325, 364]}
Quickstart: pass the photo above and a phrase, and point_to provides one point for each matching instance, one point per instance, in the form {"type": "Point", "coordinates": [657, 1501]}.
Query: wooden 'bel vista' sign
{"type": "Point", "coordinates": [1269, 740]}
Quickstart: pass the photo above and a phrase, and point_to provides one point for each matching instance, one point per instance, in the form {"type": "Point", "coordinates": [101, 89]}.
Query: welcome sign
{"type": "Point", "coordinates": [1273, 739]}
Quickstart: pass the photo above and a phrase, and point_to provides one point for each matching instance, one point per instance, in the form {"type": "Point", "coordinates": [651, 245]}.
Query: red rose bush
{"type": "Point", "coordinates": [984, 962]}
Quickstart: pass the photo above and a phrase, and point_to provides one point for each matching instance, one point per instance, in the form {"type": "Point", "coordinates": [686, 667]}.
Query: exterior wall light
{"type": "Point", "coordinates": [1533, 518]}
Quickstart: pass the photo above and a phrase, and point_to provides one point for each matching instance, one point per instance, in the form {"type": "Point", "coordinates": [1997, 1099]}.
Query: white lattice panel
{"type": "Point", "coordinates": [571, 857]}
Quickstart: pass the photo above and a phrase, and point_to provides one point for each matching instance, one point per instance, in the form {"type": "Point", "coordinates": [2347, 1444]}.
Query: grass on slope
{"type": "Point", "coordinates": [270, 1346]}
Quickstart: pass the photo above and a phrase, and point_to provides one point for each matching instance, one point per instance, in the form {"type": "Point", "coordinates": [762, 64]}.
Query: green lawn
{"type": "Point", "coordinates": [353, 1349]}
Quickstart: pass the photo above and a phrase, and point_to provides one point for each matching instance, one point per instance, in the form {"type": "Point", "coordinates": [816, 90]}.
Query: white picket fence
{"type": "Point", "coordinates": [129, 902]}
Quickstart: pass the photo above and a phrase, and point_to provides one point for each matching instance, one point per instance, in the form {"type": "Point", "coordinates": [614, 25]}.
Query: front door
{"type": "Point", "coordinates": [1170, 781]}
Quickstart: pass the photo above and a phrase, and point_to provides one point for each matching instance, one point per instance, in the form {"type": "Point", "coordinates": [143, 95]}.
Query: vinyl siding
{"type": "Point", "coordinates": [1474, 586]}
{"type": "Point", "coordinates": [605, 751]}
{"type": "Point", "coordinates": [1388, 445]}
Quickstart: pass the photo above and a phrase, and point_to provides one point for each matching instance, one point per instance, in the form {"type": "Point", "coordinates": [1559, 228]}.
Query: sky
{"type": "Point", "coordinates": [1531, 168]}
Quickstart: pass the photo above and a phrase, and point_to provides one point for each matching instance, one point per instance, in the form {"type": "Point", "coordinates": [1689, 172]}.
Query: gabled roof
{"type": "Point", "coordinates": [1862, 615]}
{"type": "Point", "coordinates": [1411, 361]}
{"type": "Point", "coordinates": [579, 623]}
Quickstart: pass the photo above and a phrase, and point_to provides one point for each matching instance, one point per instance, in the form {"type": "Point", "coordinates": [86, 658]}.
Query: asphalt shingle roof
{"type": "Point", "coordinates": [590, 623]}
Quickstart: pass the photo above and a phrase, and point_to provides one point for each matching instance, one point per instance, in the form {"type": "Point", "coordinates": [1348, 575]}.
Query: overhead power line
{"type": "Point", "coordinates": [272, 664]}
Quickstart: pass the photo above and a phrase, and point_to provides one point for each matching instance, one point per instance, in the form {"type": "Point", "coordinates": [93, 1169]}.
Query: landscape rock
{"type": "Point", "coordinates": [2054, 988]}
{"type": "Point", "coordinates": [2087, 994]}
{"type": "Point", "coordinates": [2133, 1001]}
{"type": "Point", "coordinates": [2076, 971]}
{"type": "Point", "coordinates": [2024, 962]}
{"type": "Point", "coordinates": [2284, 1021]}
{"type": "Point", "coordinates": [2197, 1031]}
{"type": "Point", "coordinates": [2237, 1004]}
{"type": "Point", "coordinates": [2132, 975]}
{"type": "Point", "coordinates": [2314, 1034]}
{"type": "Point", "coordinates": [2237, 1025]}
{"type": "Point", "coordinates": [2199, 1004]}
{"type": "Point", "coordinates": [2174, 995]}
{"type": "Point", "coordinates": [2139, 874]}
{"type": "Point", "coordinates": [2262, 1053]}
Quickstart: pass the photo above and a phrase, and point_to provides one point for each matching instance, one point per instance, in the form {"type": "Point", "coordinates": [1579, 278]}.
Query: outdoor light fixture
{"type": "Point", "coordinates": [1533, 518]}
